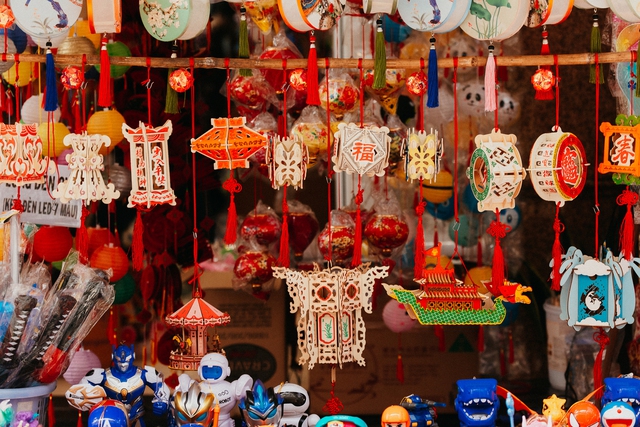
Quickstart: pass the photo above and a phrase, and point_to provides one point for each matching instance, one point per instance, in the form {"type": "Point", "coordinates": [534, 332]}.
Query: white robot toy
{"type": "Point", "coordinates": [295, 405]}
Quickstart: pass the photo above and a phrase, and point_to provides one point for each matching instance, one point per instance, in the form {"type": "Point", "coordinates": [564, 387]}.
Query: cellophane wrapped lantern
{"type": "Point", "coordinates": [342, 94]}
{"type": "Point", "coordinates": [262, 224]}
{"type": "Point", "coordinates": [386, 230]}
{"type": "Point", "coordinates": [336, 241]}
{"type": "Point", "coordinates": [301, 219]}
{"type": "Point", "coordinates": [311, 127]}
{"type": "Point", "coordinates": [253, 270]}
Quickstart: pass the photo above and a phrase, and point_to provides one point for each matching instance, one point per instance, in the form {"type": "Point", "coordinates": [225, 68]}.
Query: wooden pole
{"type": "Point", "coordinates": [276, 64]}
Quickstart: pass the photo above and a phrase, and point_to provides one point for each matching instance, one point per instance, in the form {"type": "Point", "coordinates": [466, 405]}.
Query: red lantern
{"type": "Point", "coordinates": [254, 267]}
{"type": "Point", "coordinates": [111, 257]}
{"type": "Point", "coordinates": [264, 228]}
{"type": "Point", "coordinates": [342, 243]}
{"type": "Point", "coordinates": [386, 232]}
{"type": "Point", "coordinates": [181, 80]}
{"type": "Point", "coordinates": [98, 237]}
{"type": "Point", "coordinates": [417, 83]}
{"type": "Point", "coordinates": [305, 227]}
{"type": "Point", "coordinates": [52, 243]}
{"type": "Point", "coordinates": [72, 78]}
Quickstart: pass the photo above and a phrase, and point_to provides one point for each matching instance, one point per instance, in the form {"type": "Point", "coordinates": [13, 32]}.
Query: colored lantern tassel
{"type": "Point", "coordinates": [499, 231]}
{"type": "Point", "coordinates": [627, 235]}
{"type": "Point", "coordinates": [51, 97]}
{"type": "Point", "coordinates": [104, 95]}
{"type": "Point", "coordinates": [79, 423]}
{"type": "Point", "coordinates": [439, 331]}
{"type": "Point", "coordinates": [137, 246]}
{"type": "Point", "coordinates": [171, 100]}
{"type": "Point", "coordinates": [432, 76]}
{"type": "Point", "coordinates": [51, 415]}
{"type": "Point", "coordinates": [399, 364]}
{"type": "Point", "coordinates": [232, 186]}
{"type": "Point", "coordinates": [313, 98]}
{"type": "Point", "coordinates": [556, 252]}
{"type": "Point", "coordinates": [544, 95]}
{"type": "Point", "coordinates": [357, 241]}
{"type": "Point", "coordinates": [419, 243]}
{"type": "Point", "coordinates": [82, 239]}
{"type": "Point", "coordinates": [283, 258]}
{"type": "Point", "coordinates": [490, 82]}
{"type": "Point", "coordinates": [596, 47]}
{"type": "Point", "coordinates": [601, 338]}
{"type": "Point", "coordinates": [243, 45]}
{"type": "Point", "coordinates": [380, 59]}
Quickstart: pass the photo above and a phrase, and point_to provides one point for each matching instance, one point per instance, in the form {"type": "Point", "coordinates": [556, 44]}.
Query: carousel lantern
{"type": "Point", "coordinates": [423, 153]}
{"type": "Point", "coordinates": [98, 237]}
{"type": "Point", "coordinates": [621, 147]}
{"type": "Point", "coordinates": [21, 159]}
{"type": "Point", "coordinates": [32, 111]}
{"type": "Point", "coordinates": [125, 288]}
{"type": "Point", "coordinates": [81, 362]}
{"type": "Point", "coordinates": [151, 184]}
{"type": "Point", "coordinates": [331, 302]}
{"type": "Point", "coordinates": [27, 72]}
{"type": "Point", "coordinates": [52, 243]}
{"type": "Point", "coordinates": [107, 122]}
{"type": "Point", "coordinates": [181, 80]}
{"type": "Point", "coordinates": [72, 78]}
{"type": "Point", "coordinates": [111, 257]}
{"type": "Point", "coordinates": [495, 172]}
{"type": "Point", "coordinates": [85, 180]}
{"type": "Point", "coordinates": [52, 136]}
{"type": "Point", "coordinates": [116, 48]}
{"type": "Point", "coordinates": [194, 318]}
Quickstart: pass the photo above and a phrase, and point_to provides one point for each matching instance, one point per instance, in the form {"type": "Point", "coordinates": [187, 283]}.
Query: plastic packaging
{"type": "Point", "coordinates": [339, 236]}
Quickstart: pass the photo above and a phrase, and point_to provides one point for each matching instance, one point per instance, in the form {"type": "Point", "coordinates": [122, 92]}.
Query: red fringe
{"type": "Point", "coordinates": [627, 234]}
{"type": "Point", "coordinates": [556, 252]}
{"type": "Point", "coordinates": [284, 259]}
{"type": "Point", "coordinates": [104, 93]}
{"type": "Point", "coordinates": [51, 415]}
{"type": "Point", "coordinates": [601, 338]}
{"type": "Point", "coordinates": [313, 98]}
{"type": "Point", "coordinates": [137, 246]}
{"type": "Point", "coordinates": [231, 235]}
{"type": "Point", "coordinates": [79, 423]}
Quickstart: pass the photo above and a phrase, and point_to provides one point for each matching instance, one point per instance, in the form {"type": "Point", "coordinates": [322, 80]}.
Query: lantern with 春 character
{"type": "Point", "coordinates": [621, 149]}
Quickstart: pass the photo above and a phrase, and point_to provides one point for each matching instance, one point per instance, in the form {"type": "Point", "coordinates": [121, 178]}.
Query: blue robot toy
{"type": "Point", "coordinates": [422, 412]}
{"type": "Point", "coordinates": [477, 402]}
{"type": "Point", "coordinates": [261, 407]}
{"type": "Point", "coordinates": [623, 389]}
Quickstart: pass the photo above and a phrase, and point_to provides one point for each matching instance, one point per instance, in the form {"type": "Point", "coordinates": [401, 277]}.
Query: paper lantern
{"type": "Point", "coordinates": [53, 138]}
{"type": "Point", "coordinates": [254, 267]}
{"type": "Point", "coordinates": [361, 150]}
{"type": "Point", "coordinates": [621, 147]}
{"type": "Point", "coordinates": [76, 45]}
{"type": "Point", "coordinates": [98, 237]}
{"type": "Point", "coordinates": [11, 48]}
{"type": "Point", "coordinates": [125, 288]}
{"type": "Point", "coordinates": [423, 154]}
{"type": "Point", "coordinates": [105, 16]}
{"type": "Point", "coordinates": [264, 227]}
{"type": "Point", "coordinates": [27, 71]}
{"type": "Point", "coordinates": [82, 29]}
{"type": "Point", "coordinates": [32, 111]}
{"type": "Point", "coordinates": [52, 243]}
{"type": "Point", "coordinates": [287, 160]}
{"type": "Point", "coordinates": [306, 227]}
{"type": "Point", "coordinates": [111, 257]}
{"type": "Point", "coordinates": [120, 177]}
{"type": "Point", "coordinates": [116, 49]}
{"type": "Point", "coordinates": [17, 36]}
{"type": "Point", "coordinates": [109, 123]}
{"type": "Point", "coordinates": [6, 17]}
{"type": "Point", "coordinates": [396, 317]}
{"type": "Point", "coordinates": [81, 363]}
{"type": "Point", "coordinates": [21, 159]}
{"type": "Point", "coordinates": [477, 276]}
{"type": "Point", "coordinates": [440, 189]}
{"type": "Point", "coordinates": [342, 242]}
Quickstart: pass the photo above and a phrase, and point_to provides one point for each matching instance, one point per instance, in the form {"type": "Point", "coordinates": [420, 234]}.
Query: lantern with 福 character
{"type": "Point", "coordinates": [194, 318]}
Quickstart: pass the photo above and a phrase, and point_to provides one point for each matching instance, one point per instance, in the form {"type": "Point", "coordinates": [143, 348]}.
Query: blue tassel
{"type": "Point", "coordinates": [432, 76]}
{"type": "Point", "coordinates": [51, 98]}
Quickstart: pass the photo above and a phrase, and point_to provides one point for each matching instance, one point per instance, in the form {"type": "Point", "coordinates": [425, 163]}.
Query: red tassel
{"type": "Point", "coordinates": [399, 364]}
{"type": "Point", "coordinates": [284, 259]}
{"type": "Point", "coordinates": [313, 98]}
{"type": "Point", "coordinates": [357, 243]}
{"type": "Point", "coordinates": [601, 338]}
{"type": "Point", "coordinates": [79, 423]}
{"type": "Point", "coordinates": [137, 246]}
{"type": "Point", "coordinates": [232, 186]}
{"type": "Point", "coordinates": [490, 82]}
{"type": "Point", "coordinates": [419, 243]}
{"type": "Point", "coordinates": [82, 238]}
{"type": "Point", "coordinates": [512, 357]}
{"type": "Point", "coordinates": [333, 405]}
{"type": "Point", "coordinates": [51, 415]}
{"type": "Point", "coordinates": [481, 339]}
{"type": "Point", "coordinates": [439, 331]}
{"type": "Point", "coordinates": [104, 94]}
{"type": "Point", "coordinates": [556, 252]}
{"type": "Point", "coordinates": [627, 235]}
{"type": "Point", "coordinates": [545, 95]}
{"type": "Point", "coordinates": [111, 328]}
{"type": "Point", "coordinates": [499, 231]}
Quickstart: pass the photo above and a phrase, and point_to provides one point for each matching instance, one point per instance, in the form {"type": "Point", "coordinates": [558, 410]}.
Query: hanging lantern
{"type": "Point", "coordinates": [254, 268]}
{"type": "Point", "coordinates": [181, 80]}
{"type": "Point", "coordinates": [52, 243]}
{"type": "Point", "coordinates": [21, 159]}
{"type": "Point", "coordinates": [116, 48]}
{"type": "Point", "coordinates": [27, 71]}
{"type": "Point", "coordinates": [109, 123]}
{"type": "Point", "coordinates": [264, 227]}
{"type": "Point", "coordinates": [343, 95]}
{"type": "Point", "coordinates": [341, 238]}
{"type": "Point", "coordinates": [395, 317]}
{"type": "Point", "coordinates": [104, 16]}
{"type": "Point", "coordinates": [81, 362]}
{"type": "Point", "coordinates": [11, 48]}
{"type": "Point", "coordinates": [120, 177]}
{"type": "Point", "coordinates": [417, 83]}
{"type": "Point", "coordinates": [423, 153]}
{"type": "Point", "coordinates": [440, 189]}
{"type": "Point", "coordinates": [72, 78]}
{"type": "Point", "coordinates": [52, 136]}
{"type": "Point", "coordinates": [125, 288]}
{"type": "Point", "coordinates": [32, 111]}
{"type": "Point", "coordinates": [85, 180]}
{"type": "Point", "coordinates": [76, 45]}
{"type": "Point", "coordinates": [331, 302]}
{"type": "Point", "coordinates": [386, 232]}
{"type": "Point", "coordinates": [621, 149]}
{"type": "Point", "coordinates": [98, 237]}
{"type": "Point", "coordinates": [151, 184]}
{"type": "Point", "coordinates": [287, 159]}
{"type": "Point", "coordinates": [361, 150]}
{"type": "Point", "coordinates": [301, 219]}
{"type": "Point", "coordinates": [6, 17]}
{"type": "Point", "coordinates": [111, 257]}
{"type": "Point", "coordinates": [83, 29]}
{"type": "Point", "coordinates": [495, 172]}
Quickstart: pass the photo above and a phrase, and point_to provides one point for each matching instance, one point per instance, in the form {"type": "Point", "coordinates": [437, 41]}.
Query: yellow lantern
{"type": "Point", "coordinates": [52, 136]}
{"type": "Point", "coordinates": [26, 73]}
{"type": "Point", "coordinates": [82, 29]}
{"type": "Point", "coordinates": [440, 189]}
{"type": "Point", "coordinates": [109, 123]}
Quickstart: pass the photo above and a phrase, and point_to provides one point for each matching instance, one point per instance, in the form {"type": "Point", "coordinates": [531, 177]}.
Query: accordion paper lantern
{"type": "Point", "coordinates": [52, 136]}
{"type": "Point", "coordinates": [27, 72]}
{"type": "Point", "coordinates": [109, 123]}
{"type": "Point", "coordinates": [32, 111]}
{"type": "Point", "coordinates": [111, 257]}
{"type": "Point", "coordinates": [52, 243]}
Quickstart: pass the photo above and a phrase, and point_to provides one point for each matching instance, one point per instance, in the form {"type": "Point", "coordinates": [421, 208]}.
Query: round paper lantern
{"type": "Point", "coordinates": [72, 78]}
{"type": "Point", "coordinates": [81, 362]}
{"type": "Point", "coordinates": [98, 237]}
{"type": "Point", "coordinates": [440, 189]}
{"type": "Point", "coordinates": [264, 228]}
{"type": "Point", "coordinates": [417, 83]}
{"type": "Point", "coordinates": [83, 29]}
{"type": "Point", "coordinates": [396, 318]}
{"type": "Point", "coordinates": [478, 275]}
{"type": "Point", "coordinates": [306, 227]}
{"type": "Point", "coordinates": [111, 257]}
{"type": "Point", "coordinates": [109, 123]}
{"type": "Point", "coordinates": [17, 36]}
{"type": "Point", "coordinates": [52, 243]}
{"type": "Point", "coordinates": [6, 16]}
{"type": "Point", "coordinates": [52, 137]}
{"type": "Point", "coordinates": [386, 232]}
{"type": "Point", "coordinates": [26, 73]}
{"type": "Point", "coordinates": [32, 111]}
{"type": "Point", "coordinates": [11, 48]}
{"type": "Point", "coordinates": [76, 45]}
{"type": "Point", "coordinates": [125, 288]}
{"type": "Point", "coordinates": [120, 177]}
{"type": "Point", "coordinates": [342, 242]}
{"type": "Point", "coordinates": [116, 49]}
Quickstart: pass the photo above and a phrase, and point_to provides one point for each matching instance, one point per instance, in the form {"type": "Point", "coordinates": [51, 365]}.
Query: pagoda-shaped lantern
{"type": "Point", "coordinates": [194, 318]}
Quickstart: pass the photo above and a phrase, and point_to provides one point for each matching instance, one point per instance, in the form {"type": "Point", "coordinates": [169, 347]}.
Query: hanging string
{"type": "Point", "coordinates": [231, 185]}
{"type": "Point", "coordinates": [421, 106]}
{"type": "Point", "coordinates": [148, 84]}
{"type": "Point", "coordinates": [632, 83]}
{"type": "Point", "coordinates": [556, 251]}
{"type": "Point", "coordinates": [596, 207]}
{"type": "Point", "coordinates": [17, 87]}
{"type": "Point", "coordinates": [283, 258]}
{"type": "Point", "coordinates": [455, 156]}
{"type": "Point", "coordinates": [226, 65]}
{"type": "Point", "coordinates": [361, 93]}
{"type": "Point", "coordinates": [419, 240]}
{"type": "Point", "coordinates": [333, 405]}
{"type": "Point", "coordinates": [196, 269]}
{"type": "Point", "coordinates": [555, 62]}
{"type": "Point", "coordinates": [329, 168]}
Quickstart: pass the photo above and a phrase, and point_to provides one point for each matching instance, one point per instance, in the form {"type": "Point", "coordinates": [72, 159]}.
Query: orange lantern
{"type": "Point", "coordinates": [109, 123]}
{"type": "Point", "coordinates": [98, 237]}
{"type": "Point", "coordinates": [52, 243]}
{"type": "Point", "coordinates": [111, 257]}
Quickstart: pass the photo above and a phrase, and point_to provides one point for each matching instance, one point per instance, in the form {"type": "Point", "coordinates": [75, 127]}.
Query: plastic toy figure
{"type": "Point", "coordinates": [477, 402]}
{"type": "Point", "coordinates": [422, 412]}
{"type": "Point", "coordinates": [295, 402]}
{"type": "Point", "coordinates": [625, 388]}
{"type": "Point", "coordinates": [125, 383]}
{"type": "Point", "coordinates": [582, 414]}
{"type": "Point", "coordinates": [553, 406]}
{"type": "Point", "coordinates": [341, 421]}
{"type": "Point", "coordinates": [213, 370]}
{"type": "Point", "coordinates": [395, 416]}
{"type": "Point", "coordinates": [192, 407]}
{"type": "Point", "coordinates": [109, 412]}
{"type": "Point", "coordinates": [261, 406]}
{"type": "Point", "coordinates": [616, 414]}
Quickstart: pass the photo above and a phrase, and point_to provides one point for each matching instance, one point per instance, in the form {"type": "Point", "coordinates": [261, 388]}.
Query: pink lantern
{"type": "Point", "coordinates": [82, 362]}
{"type": "Point", "coordinates": [396, 318]}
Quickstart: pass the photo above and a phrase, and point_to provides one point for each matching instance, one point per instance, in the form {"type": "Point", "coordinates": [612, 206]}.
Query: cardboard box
{"type": "Point", "coordinates": [428, 372]}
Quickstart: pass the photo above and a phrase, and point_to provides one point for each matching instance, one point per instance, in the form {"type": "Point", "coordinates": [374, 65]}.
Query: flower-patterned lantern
{"type": "Point", "coordinates": [422, 153]}
{"type": "Point", "coordinates": [85, 181]}
{"type": "Point", "coordinates": [181, 80]}
{"type": "Point", "coordinates": [621, 149]}
{"type": "Point", "coordinates": [331, 329]}
{"type": "Point", "coordinates": [194, 318]}
{"type": "Point", "coordinates": [6, 17]}
{"type": "Point", "coordinates": [496, 172]}
{"type": "Point", "coordinates": [21, 159]}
